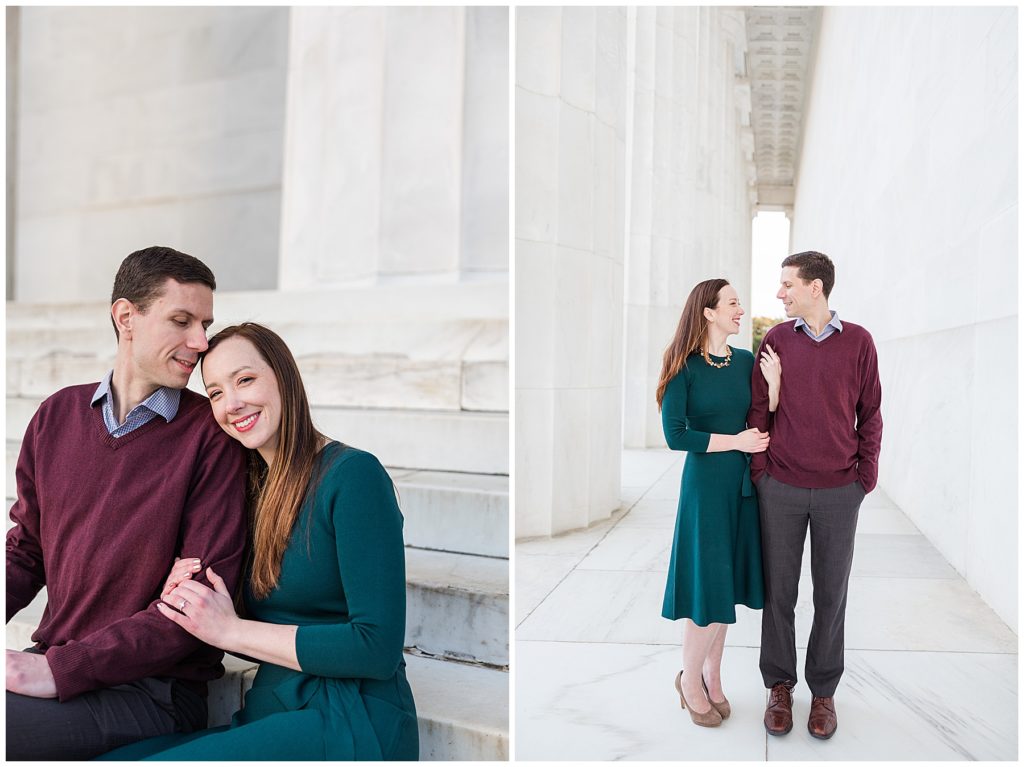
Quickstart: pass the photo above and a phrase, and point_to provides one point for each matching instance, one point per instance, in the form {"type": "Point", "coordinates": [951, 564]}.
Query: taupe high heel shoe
{"type": "Point", "coordinates": [721, 706]}
{"type": "Point", "coordinates": [708, 719]}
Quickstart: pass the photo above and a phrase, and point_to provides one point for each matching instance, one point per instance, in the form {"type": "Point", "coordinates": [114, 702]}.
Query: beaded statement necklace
{"type": "Point", "coordinates": [728, 358]}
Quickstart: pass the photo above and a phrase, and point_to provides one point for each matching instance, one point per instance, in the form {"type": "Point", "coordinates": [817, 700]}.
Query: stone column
{"type": "Point", "coordinates": [146, 125]}
{"type": "Point", "coordinates": [412, 182]}
{"type": "Point", "coordinates": [570, 198]}
{"type": "Point", "coordinates": [485, 181]}
{"type": "Point", "coordinates": [690, 213]}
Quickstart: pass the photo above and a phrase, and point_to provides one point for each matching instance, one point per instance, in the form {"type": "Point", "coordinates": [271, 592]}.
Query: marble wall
{"type": "Point", "coordinates": [141, 126]}
{"type": "Point", "coordinates": [690, 195]}
{"type": "Point", "coordinates": [908, 180]}
{"type": "Point", "coordinates": [396, 161]}
{"type": "Point", "coordinates": [571, 79]}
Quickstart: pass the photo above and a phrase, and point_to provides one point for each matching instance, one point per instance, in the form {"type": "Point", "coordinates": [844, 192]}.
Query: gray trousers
{"type": "Point", "coordinates": [786, 513]}
{"type": "Point", "coordinates": [99, 721]}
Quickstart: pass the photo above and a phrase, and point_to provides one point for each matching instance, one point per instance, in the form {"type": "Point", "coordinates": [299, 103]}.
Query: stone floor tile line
{"type": "Point", "coordinates": [596, 544]}
{"type": "Point", "coordinates": [931, 670]}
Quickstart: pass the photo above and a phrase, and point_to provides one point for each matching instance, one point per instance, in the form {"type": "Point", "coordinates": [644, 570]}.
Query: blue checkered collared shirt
{"type": "Point", "coordinates": [163, 402]}
{"type": "Point", "coordinates": [833, 325]}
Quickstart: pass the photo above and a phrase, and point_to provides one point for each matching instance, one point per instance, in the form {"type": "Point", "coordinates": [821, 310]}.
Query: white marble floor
{"type": "Point", "coordinates": [931, 671]}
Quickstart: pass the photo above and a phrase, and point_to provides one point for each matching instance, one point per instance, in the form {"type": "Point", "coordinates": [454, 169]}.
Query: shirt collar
{"type": "Point", "coordinates": [164, 401]}
{"type": "Point", "coordinates": [834, 322]}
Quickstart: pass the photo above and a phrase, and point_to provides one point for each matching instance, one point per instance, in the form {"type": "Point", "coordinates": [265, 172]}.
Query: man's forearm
{"type": "Point", "coordinates": [102, 659]}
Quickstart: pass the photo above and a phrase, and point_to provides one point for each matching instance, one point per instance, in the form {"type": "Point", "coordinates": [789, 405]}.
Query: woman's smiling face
{"type": "Point", "coordinates": [726, 315]}
{"type": "Point", "coordinates": [244, 395]}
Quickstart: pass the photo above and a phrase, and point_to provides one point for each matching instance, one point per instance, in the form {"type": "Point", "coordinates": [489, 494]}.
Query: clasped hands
{"type": "Point", "coordinates": [208, 614]}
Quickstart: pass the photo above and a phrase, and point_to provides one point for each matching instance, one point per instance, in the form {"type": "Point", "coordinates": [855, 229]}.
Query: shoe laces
{"type": "Point", "coordinates": [780, 694]}
{"type": "Point", "coordinates": [824, 702]}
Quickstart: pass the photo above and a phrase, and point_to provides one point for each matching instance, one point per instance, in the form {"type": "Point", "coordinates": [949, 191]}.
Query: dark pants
{"type": "Point", "coordinates": [99, 721]}
{"type": "Point", "coordinates": [786, 512]}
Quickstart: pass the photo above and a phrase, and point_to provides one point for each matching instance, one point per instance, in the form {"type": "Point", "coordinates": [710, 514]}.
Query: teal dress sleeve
{"type": "Point", "coordinates": [371, 560]}
{"type": "Point", "coordinates": [674, 420]}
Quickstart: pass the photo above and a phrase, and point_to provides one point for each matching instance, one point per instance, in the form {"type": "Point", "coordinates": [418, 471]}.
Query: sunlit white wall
{"type": "Point", "coordinates": [908, 180]}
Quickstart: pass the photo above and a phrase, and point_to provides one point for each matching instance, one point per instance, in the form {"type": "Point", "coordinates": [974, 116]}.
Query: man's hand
{"type": "Point", "coordinates": [29, 674]}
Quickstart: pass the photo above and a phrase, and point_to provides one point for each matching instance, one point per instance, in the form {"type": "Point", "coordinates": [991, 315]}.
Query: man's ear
{"type": "Point", "coordinates": [123, 311]}
{"type": "Point", "coordinates": [817, 286]}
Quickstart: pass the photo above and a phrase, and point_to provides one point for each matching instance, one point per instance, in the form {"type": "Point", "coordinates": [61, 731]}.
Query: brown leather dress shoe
{"type": "Point", "coordinates": [822, 721]}
{"type": "Point", "coordinates": [778, 717]}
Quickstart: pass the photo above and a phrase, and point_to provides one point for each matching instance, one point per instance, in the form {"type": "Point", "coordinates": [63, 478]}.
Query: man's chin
{"type": "Point", "coordinates": [177, 382]}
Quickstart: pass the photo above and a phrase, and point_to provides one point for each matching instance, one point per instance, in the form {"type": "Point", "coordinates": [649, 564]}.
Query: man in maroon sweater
{"type": "Point", "coordinates": [114, 481]}
{"type": "Point", "coordinates": [823, 460]}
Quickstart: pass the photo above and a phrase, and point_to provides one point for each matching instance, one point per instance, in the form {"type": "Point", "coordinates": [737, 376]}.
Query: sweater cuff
{"type": "Point", "coordinates": [867, 475]}
{"type": "Point", "coordinates": [72, 670]}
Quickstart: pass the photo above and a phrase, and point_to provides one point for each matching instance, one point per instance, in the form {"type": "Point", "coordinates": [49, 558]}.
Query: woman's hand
{"type": "Point", "coordinates": [208, 614]}
{"type": "Point", "coordinates": [752, 441]}
{"type": "Point", "coordinates": [181, 571]}
{"type": "Point", "coordinates": [771, 369]}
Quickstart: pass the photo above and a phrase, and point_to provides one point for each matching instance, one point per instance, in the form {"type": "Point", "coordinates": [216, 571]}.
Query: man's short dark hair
{"type": "Point", "coordinates": [142, 275]}
{"type": "Point", "coordinates": [812, 265]}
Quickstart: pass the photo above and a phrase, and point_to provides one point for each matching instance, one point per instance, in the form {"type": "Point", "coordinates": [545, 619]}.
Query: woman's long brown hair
{"type": "Point", "coordinates": [275, 493]}
{"type": "Point", "coordinates": [692, 332]}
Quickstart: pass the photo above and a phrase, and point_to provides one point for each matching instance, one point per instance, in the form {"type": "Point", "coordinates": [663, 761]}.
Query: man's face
{"type": "Point", "coordinates": [168, 338]}
{"type": "Point", "coordinates": [797, 296]}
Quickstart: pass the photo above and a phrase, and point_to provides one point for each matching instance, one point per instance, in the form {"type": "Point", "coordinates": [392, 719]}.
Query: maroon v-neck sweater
{"type": "Point", "coordinates": [99, 522]}
{"type": "Point", "coordinates": [827, 430]}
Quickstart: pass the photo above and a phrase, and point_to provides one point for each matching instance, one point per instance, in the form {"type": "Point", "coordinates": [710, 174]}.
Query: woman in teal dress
{"type": "Point", "coordinates": [704, 394]}
{"type": "Point", "coordinates": [325, 592]}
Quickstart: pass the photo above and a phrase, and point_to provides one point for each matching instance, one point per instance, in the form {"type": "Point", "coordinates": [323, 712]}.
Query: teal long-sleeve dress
{"type": "Point", "coordinates": [343, 584]}
{"type": "Point", "coordinates": [716, 551]}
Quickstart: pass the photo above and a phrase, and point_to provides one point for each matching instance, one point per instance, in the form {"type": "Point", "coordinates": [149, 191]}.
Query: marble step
{"type": "Point", "coordinates": [444, 511]}
{"type": "Point", "coordinates": [382, 346]}
{"type": "Point", "coordinates": [462, 709]}
{"type": "Point", "coordinates": [377, 380]}
{"type": "Point", "coordinates": [460, 441]}
{"type": "Point", "coordinates": [479, 299]}
{"type": "Point", "coordinates": [449, 511]}
{"type": "Point", "coordinates": [474, 442]}
{"type": "Point", "coordinates": [470, 339]}
{"type": "Point", "coordinates": [457, 605]}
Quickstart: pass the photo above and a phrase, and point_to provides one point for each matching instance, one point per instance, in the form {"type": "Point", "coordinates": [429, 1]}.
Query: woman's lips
{"type": "Point", "coordinates": [245, 424]}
